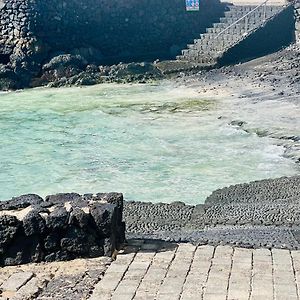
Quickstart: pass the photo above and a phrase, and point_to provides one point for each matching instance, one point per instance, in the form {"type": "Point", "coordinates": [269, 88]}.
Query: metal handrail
{"type": "Point", "coordinates": [245, 16]}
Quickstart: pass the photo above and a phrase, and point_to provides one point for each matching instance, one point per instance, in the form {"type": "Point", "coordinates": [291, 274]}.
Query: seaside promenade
{"type": "Point", "coordinates": [166, 271]}
{"type": "Point", "coordinates": [154, 270]}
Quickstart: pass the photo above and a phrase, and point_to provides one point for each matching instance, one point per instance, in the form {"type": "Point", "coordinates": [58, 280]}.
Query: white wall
{"type": "Point", "coordinates": [255, 2]}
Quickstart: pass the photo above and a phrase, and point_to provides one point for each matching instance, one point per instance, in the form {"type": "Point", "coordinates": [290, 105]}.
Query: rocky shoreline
{"type": "Point", "coordinates": [271, 222]}
{"type": "Point", "coordinates": [260, 214]}
{"type": "Point", "coordinates": [275, 77]}
{"type": "Point", "coordinates": [68, 70]}
{"type": "Point", "coordinates": [60, 227]}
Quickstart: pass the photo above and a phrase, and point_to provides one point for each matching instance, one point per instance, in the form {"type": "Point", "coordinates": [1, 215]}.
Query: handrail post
{"type": "Point", "coordinates": [246, 24]}
{"type": "Point", "coordinates": [265, 11]}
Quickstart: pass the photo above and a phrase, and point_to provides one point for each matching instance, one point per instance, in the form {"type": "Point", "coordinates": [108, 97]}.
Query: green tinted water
{"type": "Point", "coordinates": [151, 142]}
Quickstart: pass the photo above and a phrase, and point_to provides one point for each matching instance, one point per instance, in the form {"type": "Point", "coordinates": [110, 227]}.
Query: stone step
{"type": "Point", "coordinates": [200, 52]}
{"type": "Point", "coordinates": [257, 10]}
{"type": "Point", "coordinates": [212, 44]}
{"type": "Point", "coordinates": [224, 25]}
{"type": "Point", "coordinates": [210, 47]}
{"type": "Point", "coordinates": [199, 60]}
{"type": "Point", "coordinates": [255, 14]}
{"type": "Point", "coordinates": [248, 8]}
{"type": "Point", "coordinates": [203, 52]}
{"type": "Point", "coordinates": [217, 45]}
{"type": "Point", "coordinates": [204, 60]}
{"type": "Point", "coordinates": [212, 37]}
{"type": "Point", "coordinates": [224, 37]}
{"type": "Point", "coordinates": [251, 18]}
{"type": "Point", "coordinates": [238, 26]}
{"type": "Point", "coordinates": [216, 31]}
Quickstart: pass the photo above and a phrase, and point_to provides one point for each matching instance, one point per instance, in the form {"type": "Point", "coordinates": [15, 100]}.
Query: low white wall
{"type": "Point", "coordinates": [255, 2]}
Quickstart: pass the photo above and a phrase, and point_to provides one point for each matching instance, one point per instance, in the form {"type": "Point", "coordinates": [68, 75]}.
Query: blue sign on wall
{"type": "Point", "coordinates": [192, 5]}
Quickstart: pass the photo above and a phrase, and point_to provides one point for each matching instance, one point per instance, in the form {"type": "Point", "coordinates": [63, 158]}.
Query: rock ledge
{"type": "Point", "coordinates": [61, 227]}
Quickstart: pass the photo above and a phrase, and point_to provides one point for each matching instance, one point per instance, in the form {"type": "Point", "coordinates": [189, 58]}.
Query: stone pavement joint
{"type": "Point", "coordinates": [170, 271]}
{"type": "Point", "coordinates": [159, 270]}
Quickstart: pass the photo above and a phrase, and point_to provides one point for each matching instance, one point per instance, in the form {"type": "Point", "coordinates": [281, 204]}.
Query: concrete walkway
{"type": "Point", "coordinates": [165, 271]}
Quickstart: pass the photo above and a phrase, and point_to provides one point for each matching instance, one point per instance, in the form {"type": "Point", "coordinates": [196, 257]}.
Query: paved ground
{"type": "Point", "coordinates": [152, 270]}
{"type": "Point", "coordinates": [69, 280]}
{"type": "Point", "coordinates": [166, 271]}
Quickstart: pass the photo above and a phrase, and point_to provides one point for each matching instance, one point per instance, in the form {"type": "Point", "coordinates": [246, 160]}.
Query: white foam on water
{"type": "Point", "coordinates": [159, 143]}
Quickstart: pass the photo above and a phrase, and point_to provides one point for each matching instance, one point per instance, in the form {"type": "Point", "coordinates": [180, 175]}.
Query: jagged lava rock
{"type": "Point", "coordinates": [61, 227]}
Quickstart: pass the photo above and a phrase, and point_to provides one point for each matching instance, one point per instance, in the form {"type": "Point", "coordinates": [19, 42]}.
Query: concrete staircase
{"type": "Point", "coordinates": [212, 45]}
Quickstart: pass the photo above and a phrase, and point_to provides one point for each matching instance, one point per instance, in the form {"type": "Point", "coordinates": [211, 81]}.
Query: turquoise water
{"type": "Point", "coordinates": [152, 142]}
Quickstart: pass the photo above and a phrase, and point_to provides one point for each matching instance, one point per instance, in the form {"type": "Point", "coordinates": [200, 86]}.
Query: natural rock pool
{"type": "Point", "coordinates": [152, 142]}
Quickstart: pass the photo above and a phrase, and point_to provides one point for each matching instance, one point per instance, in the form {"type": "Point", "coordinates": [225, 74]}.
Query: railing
{"type": "Point", "coordinates": [264, 4]}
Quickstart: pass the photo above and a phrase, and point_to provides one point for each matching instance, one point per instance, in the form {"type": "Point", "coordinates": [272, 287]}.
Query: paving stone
{"type": "Point", "coordinates": [283, 274]}
{"type": "Point", "coordinates": [204, 272]}
{"type": "Point", "coordinates": [240, 279]}
{"type": "Point", "coordinates": [262, 280]}
{"type": "Point", "coordinates": [198, 274]}
{"type": "Point", "coordinates": [29, 290]}
{"type": "Point", "coordinates": [112, 277]}
{"type": "Point", "coordinates": [179, 268]}
{"type": "Point", "coordinates": [154, 277]}
{"type": "Point", "coordinates": [218, 278]}
{"type": "Point", "coordinates": [295, 255]}
{"type": "Point", "coordinates": [16, 281]}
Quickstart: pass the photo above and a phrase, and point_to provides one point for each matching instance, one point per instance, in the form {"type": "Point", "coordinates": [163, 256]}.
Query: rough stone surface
{"type": "Point", "coordinates": [16, 281]}
{"type": "Point", "coordinates": [71, 35]}
{"type": "Point", "coordinates": [21, 202]}
{"type": "Point", "coordinates": [161, 270]}
{"type": "Point", "coordinates": [259, 214]}
{"type": "Point", "coordinates": [64, 226]}
{"type": "Point", "coordinates": [55, 280]}
{"type": "Point", "coordinates": [157, 270]}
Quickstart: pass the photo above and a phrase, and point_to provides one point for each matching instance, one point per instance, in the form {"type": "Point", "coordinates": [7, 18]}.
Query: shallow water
{"type": "Point", "coordinates": [152, 142]}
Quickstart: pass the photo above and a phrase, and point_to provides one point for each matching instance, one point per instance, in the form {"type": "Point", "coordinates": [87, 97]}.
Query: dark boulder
{"type": "Point", "coordinates": [64, 227]}
{"type": "Point", "coordinates": [59, 256]}
{"type": "Point", "coordinates": [65, 60]}
{"type": "Point", "coordinates": [52, 241]}
{"type": "Point", "coordinates": [113, 198]}
{"type": "Point", "coordinates": [116, 199]}
{"type": "Point", "coordinates": [79, 218]}
{"type": "Point", "coordinates": [21, 202]}
{"type": "Point", "coordinates": [62, 198]}
{"type": "Point", "coordinates": [61, 67]}
{"type": "Point", "coordinates": [34, 224]}
{"type": "Point", "coordinates": [23, 250]}
{"type": "Point", "coordinates": [58, 219]}
{"type": "Point", "coordinates": [103, 215]}
{"type": "Point", "coordinates": [9, 226]}
{"type": "Point", "coordinates": [8, 78]}
{"type": "Point", "coordinates": [75, 241]}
